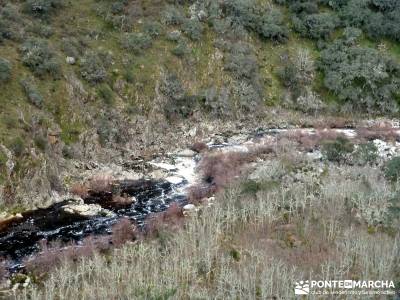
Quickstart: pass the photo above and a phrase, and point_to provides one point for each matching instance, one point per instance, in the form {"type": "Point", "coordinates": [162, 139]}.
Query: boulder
{"type": "Point", "coordinates": [189, 208]}
{"type": "Point", "coordinates": [186, 153]}
{"type": "Point", "coordinates": [79, 208]}
{"type": "Point", "coordinates": [70, 60]}
{"type": "Point", "coordinates": [174, 179]}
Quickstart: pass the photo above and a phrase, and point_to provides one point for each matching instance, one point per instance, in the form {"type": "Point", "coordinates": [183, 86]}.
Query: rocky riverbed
{"type": "Point", "coordinates": [165, 180]}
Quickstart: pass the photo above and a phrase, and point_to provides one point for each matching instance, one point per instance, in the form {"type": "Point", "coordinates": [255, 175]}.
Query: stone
{"type": "Point", "coordinates": [70, 60]}
{"type": "Point", "coordinates": [81, 209]}
{"type": "Point", "coordinates": [188, 208]}
{"type": "Point", "coordinates": [174, 179]}
{"type": "Point", "coordinates": [186, 153]}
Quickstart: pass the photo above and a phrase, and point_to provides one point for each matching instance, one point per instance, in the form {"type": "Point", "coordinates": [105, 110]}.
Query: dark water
{"type": "Point", "coordinates": [22, 238]}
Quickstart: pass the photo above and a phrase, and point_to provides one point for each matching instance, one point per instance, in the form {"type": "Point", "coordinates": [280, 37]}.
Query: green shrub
{"type": "Point", "coordinates": [106, 94]}
{"type": "Point", "coordinates": [171, 15]}
{"type": "Point", "coordinates": [39, 58]}
{"type": "Point", "coordinates": [364, 78]}
{"type": "Point", "coordinates": [217, 102]}
{"type": "Point", "coordinates": [93, 68]}
{"type": "Point", "coordinates": [248, 97]}
{"type": "Point", "coordinates": [392, 169]}
{"type": "Point", "coordinates": [181, 49]}
{"type": "Point", "coordinates": [152, 28]}
{"type": "Point", "coordinates": [193, 28]}
{"type": "Point", "coordinates": [41, 30]}
{"type": "Point", "coordinates": [271, 26]}
{"type": "Point", "coordinates": [40, 142]}
{"type": "Point", "coordinates": [31, 92]}
{"type": "Point", "coordinates": [178, 104]}
{"type": "Point", "coordinates": [72, 47]}
{"type": "Point", "coordinates": [298, 70]}
{"type": "Point", "coordinates": [337, 150]}
{"type": "Point", "coordinates": [253, 16]}
{"type": "Point", "coordinates": [136, 42]}
{"type": "Point", "coordinates": [5, 70]}
{"type": "Point", "coordinates": [17, 146]}
{"type": "Point", "coordinates": [10, 23]}
{"type": "Point", "coordinates": [241, 62]}
{"type": "Point", "coordinates": [316, 26]}
{"type": "Point", "coordinates": [366, 154]}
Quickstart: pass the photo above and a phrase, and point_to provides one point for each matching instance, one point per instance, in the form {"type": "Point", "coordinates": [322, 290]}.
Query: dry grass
{"type": "Point", "coordinates": [382, 131]}
{"type": "Point", "coordinates": [245, 247]}
{"type": "Point", "coordinates": [101, 183]}
{"type": "Point", "coordinates": [199, 147]}
{"type": "Point", "coordinates": [218, 169]}
{"type": "Point", "coordinates": [80, 190]}
{"type": "Point", "coordinates": [123, 231]}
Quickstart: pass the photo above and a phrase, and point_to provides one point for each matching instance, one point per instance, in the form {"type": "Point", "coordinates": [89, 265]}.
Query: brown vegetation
{"type": "Point", "coordinates": [172, 218]}
{"type": "Point", "coordinates": [382, 131]}
{"type": "Point", "coordinates": [219, 169]}
{"type": "Point", "coordinates": [123, 231]}
{"type": "Point", "coordinates": [80, 190]}
{"type": "Point", "coordinates": [199, 147]}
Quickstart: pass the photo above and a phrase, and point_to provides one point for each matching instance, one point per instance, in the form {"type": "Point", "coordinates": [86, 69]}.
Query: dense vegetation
{"type": "Point", "coordinates": [72, 66]}
{"type": "Point", "coordinates": [83, 82]}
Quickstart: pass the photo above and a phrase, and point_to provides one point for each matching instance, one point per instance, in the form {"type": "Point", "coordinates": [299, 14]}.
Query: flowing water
{"type": "Point", "coordinates": [21, 237]}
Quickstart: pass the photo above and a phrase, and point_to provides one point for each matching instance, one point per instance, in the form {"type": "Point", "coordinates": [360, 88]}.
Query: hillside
{"type": "Point", "coordinates": [81, 77]}
{"type": "Point", "coordinates": [274, 121]}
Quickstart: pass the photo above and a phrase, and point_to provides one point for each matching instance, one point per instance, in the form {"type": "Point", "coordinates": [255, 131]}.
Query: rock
{"type": "Point", "coordinates": [189, 209]}
{"type": "Point", "coordinates": [70, 60]}
{"type": "Point", "coordinates": [79, 208]}
{"type": "Point", "coordinates": [164, 166]}
{"type": "Point", "coordinates": [186, 153]}
{"type": "Point", "coordinates": [192, 132]}
{"type": "Point", "coordinates": [238, 139]}
{"type": "Point", "coordinates": [174, 180]}
{"type": "Point", "coordinates": [158, 174]}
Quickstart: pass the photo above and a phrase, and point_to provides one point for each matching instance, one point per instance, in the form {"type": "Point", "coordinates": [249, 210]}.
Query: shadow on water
{"type": "Point", "coordinates": [22, 237]}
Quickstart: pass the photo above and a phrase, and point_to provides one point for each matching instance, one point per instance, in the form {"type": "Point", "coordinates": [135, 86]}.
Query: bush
{"type": "Point", "coordinates": [363, 77]}
{"type": "Point", "coordinates": [248, 96]}
{"type": "Point", "coordinates": [42, 8]}
{"type": "Point", "coordinates": [93, 68]}
{"type": "Point", "coordinates": [310, 102]}
{"type": "Point", "coordinates": [152, 28]}
{"type": "Point", "coordinates": [316, 26]}
{"type": "Point", "coordinates": [251, 15]}
{"type": "Point", "coordinates": [392, 169]}
{"type": "Point", "coordinates": [181, 49]}
{"type": "Point", "coordinates": [193, 28]}
{"type": "Point", "coordinates": [172, 16]}
{"type": "Point", "coordinates": [5, 70]}
{"type": "Point", "coordinates": [136, 42]}
{"type": "Point", "coordinates": [218, 103]}
{"type": "Point", "coordinates": [32, 93]}
{"type": "Point", "coordinates": [72, 47]}
{"type": "Point", "coordinates": [41, 142]}
{"type": "Point", "coordinates": [337, 150]}
{"type": "Point", "coordinates": [41, 30]}
{"type": "Point", "coordinates": [39, 58]}
{"type": "Point", "coordinates": [241, 62]}
{"type": "Point", "coordinates": [178, 103]}
{"type": "Point", "coordinates": [10, 23]}
{"type": "Point", "coordinates": [105, 93]}
{"type": "Point", "coordinates": [366, 154]}
{"type": "Point", "coordinates": [298, 70]}
{"type": "Point", "coordinates": [271, 26]}
{"type": "Point", "coordinates": [17, 146]}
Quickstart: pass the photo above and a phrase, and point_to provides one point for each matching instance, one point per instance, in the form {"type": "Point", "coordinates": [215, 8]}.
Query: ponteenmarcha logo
{"type": "Point", "coordinates": [302, 288]}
